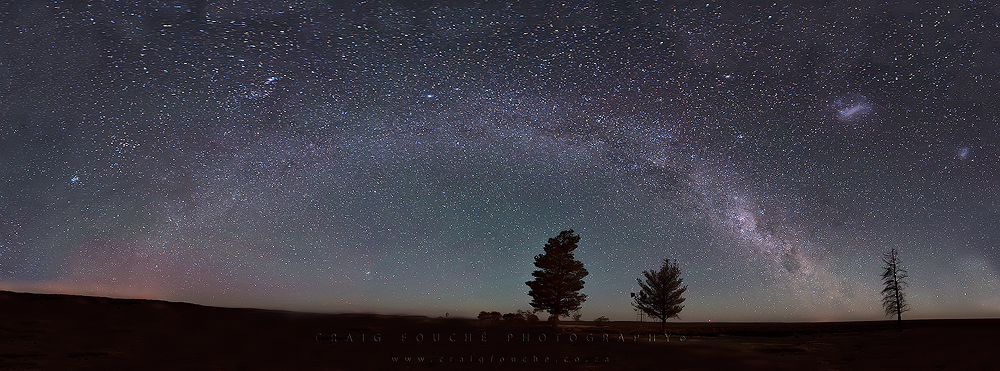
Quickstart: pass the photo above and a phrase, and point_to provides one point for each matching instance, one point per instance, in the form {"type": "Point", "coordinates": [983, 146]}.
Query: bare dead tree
{"type": "Point", "coordinates": [894, 281]}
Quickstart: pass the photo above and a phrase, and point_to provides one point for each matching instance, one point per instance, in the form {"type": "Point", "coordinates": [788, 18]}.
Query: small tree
{"type": "Point", "coordinates": [513, 317]}
{"type": "Point", "coordinates": [485, 316]}
{"type": "Point", "coordinates": [559, 279]}
{"type": "Point", "coordinates": [660, 295]}
{"type": "Point", "coordinates": [527, 315]}
{"type": "Point", "coordinates": [600, 320]}
{"type": "Point", "coordinates": [894, 281]}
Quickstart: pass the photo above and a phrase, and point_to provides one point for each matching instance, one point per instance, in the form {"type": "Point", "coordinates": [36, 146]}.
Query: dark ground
{"type": "Point", "coordinates": [75, 332]}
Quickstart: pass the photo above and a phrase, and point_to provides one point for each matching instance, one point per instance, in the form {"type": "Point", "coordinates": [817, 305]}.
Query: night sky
{"type": "Point", "coordinates": [413, 159]}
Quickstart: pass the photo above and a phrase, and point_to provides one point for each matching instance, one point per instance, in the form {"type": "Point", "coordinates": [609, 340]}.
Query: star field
{"type": "Point", "coordinates": [394, 158]}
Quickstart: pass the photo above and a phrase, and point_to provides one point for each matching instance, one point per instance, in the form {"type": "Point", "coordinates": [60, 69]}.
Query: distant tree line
{"type": "Point", "coordinates": [516, 317]}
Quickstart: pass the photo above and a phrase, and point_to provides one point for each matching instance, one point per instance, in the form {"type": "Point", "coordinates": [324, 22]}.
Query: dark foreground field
{"type": "Point", "coordinates": [75, 332]}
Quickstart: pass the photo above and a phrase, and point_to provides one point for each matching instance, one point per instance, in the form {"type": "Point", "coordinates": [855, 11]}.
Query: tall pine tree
{"type": "Point", "coordinates": [559, 278]}
{"type": "Point", "coordinates": [660, 295]}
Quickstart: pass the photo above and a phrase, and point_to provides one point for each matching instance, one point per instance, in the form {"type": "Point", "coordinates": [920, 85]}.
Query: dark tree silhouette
{"type": "Point", "coordinates": [660, 295]}
{"type": "Point", "coordinates": [485, 316]}
{"type": "Point", "coordinates": [559, 279]}
{"type": "Point", "coordinates": [894, 280]}
{"type": "Point", "coordinates": [528, 316]}
{"type": "Point", "coordinates": [514, 317]}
